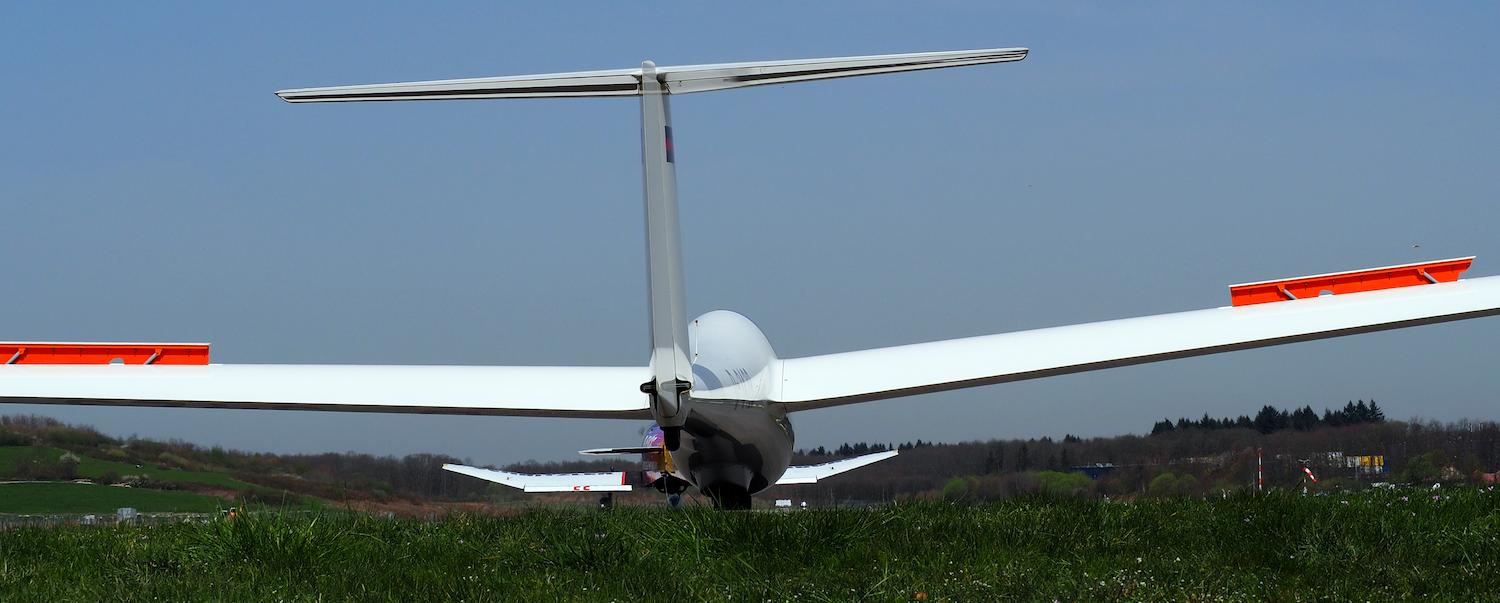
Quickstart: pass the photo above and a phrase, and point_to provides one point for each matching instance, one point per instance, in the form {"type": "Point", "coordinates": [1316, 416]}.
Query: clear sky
{"type": "Point", "coordinates": [1143, 157]}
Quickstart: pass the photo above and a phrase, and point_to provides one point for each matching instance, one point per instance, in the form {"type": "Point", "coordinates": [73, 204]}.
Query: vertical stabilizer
{"type": "Point", "coordinates": [671, 369]}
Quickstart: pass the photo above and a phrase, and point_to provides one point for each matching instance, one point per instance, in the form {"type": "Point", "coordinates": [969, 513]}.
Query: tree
{"type": "Point", "coordinates": [1270, 420]}
{"type": "Point", "coordinates": [1208, 422]}
{"type": "Point", "coordinates": [1023, 459]}
{"type": "Point", "coordinates": [1376, 415]}
{"type": "Point", "coordinates": [1162, 426]}
{"type": "Point", "coordinates": [1304, 419]}
{"type": "Point", "coordinates": [994, 460]}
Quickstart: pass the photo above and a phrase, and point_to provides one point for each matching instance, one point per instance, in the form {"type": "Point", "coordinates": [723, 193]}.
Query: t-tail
{"type": "Point", "coordinates": [671, 368]}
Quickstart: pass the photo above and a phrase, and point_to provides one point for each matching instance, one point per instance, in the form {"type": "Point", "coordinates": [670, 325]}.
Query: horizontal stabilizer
{"type": "Point", "coordinates": [810, 474]}
{"type": "Point", "coordinates": [703, 78]}
{"type": "Point", "coordinates": [625, 450]}
{"type": "Point", "coordinates": [613, 481]}
{"type": "Point", "coordinates": [674, 80]}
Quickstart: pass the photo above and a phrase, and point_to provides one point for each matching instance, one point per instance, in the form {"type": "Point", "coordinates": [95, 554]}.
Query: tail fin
{"type": "Point", "coordinates": [673, 80]}
{"type": "Point", "coordinates": [671, 368]}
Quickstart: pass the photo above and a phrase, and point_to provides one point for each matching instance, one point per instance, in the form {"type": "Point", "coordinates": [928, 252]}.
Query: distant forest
{"type": "Point", "coordinates": [1178, 458]}
{"type": "Point", "coordinates": [1271, 420]}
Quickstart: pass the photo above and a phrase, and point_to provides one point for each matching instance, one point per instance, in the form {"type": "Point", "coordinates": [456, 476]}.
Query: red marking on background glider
{"type": "Point", "coordinates": [104, 353]}
{"type": "Point", "coordinates": [1354, 281]}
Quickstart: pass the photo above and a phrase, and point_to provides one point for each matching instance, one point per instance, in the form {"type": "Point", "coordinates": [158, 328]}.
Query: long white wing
{"type": "Point", "coordinates": [810, 474]}
{"type": "Point", "coordinates": [602, 392]}
{"type": "Point", "coordinates": [613, 481]}
{"type": "Point", "coordinates": [830, 380]}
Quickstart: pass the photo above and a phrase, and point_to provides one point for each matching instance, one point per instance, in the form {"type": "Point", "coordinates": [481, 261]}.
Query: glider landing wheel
{"type": "Point", "coordinates": [729, 498]}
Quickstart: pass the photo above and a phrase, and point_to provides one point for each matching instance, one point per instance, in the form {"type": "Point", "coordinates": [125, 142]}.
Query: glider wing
{"type": "Point", "coordinates": [846, 378]}
{"type": "Point", "coordinates": [599, 392]}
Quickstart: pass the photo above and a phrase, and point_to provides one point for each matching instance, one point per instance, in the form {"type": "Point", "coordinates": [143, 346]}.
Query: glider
{"type": "Point", "coordinates": [718, 394]}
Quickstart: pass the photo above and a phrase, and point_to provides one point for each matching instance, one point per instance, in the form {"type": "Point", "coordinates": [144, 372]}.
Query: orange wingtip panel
{"type": "Point", "coordinates": [104, 353]}
{"type": "Point", "coordinates": [1355, 281]}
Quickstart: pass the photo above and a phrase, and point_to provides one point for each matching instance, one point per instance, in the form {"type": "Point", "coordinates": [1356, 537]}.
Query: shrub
{"type": "Point", "coordinates": [144, 481]}
{"type": "Point", "coordinates": [1163, 485]}
{"type": "Point", "coordinates": [1057, 483]}
{"type": "Point", "coordinates": [1423, 468]}
{"type": "Point", "coordinates": [956, 489]}
{"type": "Point", "coordinates": [39, 464]}
{"type": "Point", "coordinates": [11, 438]}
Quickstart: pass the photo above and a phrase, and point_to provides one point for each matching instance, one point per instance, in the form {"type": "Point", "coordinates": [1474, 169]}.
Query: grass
{"type": "Point", "coordinates": [1365, 546]}
{"type": "Point", "coordinates": [54, 497]}
{"type": "Point", "coordinates": [93, 467]}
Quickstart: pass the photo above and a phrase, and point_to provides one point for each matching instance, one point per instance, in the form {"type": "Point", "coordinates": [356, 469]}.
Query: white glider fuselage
{"type": "Point", "coordinates": [736, 441]}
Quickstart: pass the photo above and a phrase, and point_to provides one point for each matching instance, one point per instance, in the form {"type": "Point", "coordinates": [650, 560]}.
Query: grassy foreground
{"type": "Point", "coordinates": [1367, 546]}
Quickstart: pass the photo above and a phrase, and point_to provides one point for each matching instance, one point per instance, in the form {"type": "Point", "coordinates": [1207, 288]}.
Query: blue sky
{"type": "Point", "coordinates": [1143, 157]}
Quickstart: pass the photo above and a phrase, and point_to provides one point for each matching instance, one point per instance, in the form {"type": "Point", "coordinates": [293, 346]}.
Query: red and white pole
{"type": "Point", "coordinates": [1260, 472]}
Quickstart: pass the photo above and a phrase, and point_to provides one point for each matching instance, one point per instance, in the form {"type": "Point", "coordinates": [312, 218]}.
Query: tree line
{"type": "Point", "coordinates": [1271, 419]}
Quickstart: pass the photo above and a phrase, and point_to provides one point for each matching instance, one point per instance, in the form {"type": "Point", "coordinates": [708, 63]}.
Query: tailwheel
{"type": "Point", "coordinates": [673, 488]}
{"type": "Point", "coordinates": [728, 497]}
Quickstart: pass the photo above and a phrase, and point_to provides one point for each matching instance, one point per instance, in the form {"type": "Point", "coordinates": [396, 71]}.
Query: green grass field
{"type": "Point", "coordinates": [94, 467]}
{"type": "Point", "coordinates": [1367, 546]}
{"type": "Point", "coordinates": [54, 497]}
